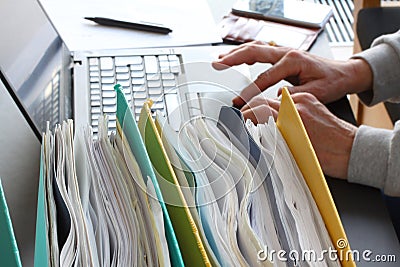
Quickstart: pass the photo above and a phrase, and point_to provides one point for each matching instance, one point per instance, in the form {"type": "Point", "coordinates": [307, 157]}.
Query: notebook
{"type": "Point", "coordinates": [53, 84]}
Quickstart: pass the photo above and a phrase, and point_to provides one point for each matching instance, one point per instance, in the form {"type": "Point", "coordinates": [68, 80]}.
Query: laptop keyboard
{"type": "Point", "coordinates": [142, 77]}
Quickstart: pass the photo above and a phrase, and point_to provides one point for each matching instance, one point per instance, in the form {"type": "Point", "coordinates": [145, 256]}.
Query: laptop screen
{"type": "Point", "coordinates": [34, 64]}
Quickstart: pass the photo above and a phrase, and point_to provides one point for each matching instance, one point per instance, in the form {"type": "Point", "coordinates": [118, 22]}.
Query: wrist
{"type": "Point", "coordinates": [359, 75]}
{"type": "Point", "coordinates": [349, 134]}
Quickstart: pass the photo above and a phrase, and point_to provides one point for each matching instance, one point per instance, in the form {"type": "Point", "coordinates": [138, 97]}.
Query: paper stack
{"type": "Point", "coordinates": [229, 193]}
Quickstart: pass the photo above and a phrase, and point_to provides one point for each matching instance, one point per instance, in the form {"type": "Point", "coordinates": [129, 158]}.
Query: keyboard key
{"type": "Point", "coordinates": [154, 83]}
{"type": "Point", "coordinates": [106, 63]}
{"type": "Point", "coordinates": [173, 58]}
{"type": "Point", "coordinates": [109, 101]}
{"type": "Point", "coordinates": [137, 74]}
{"type": "Point", "coordinates": [97, 92]}
{"type": "Point", "coordinates": [124, 83]}
{"type": "Point", "coordinates": [142, 95]}
{"type": "Point", "coordinates": [110, 109]}
{"type": "Point", "coordinates": [108, 94]}
{"type": "Point", "coordinates": [156, 98]}
{"type": "Point", "coordinates": [164, 66]}
{"type": "Point", "coordinates": [108, 80]}
{"type": "Point", "coordinates": [175, 68]}
{"type": "Point", "coordinates": [138, 81]}
{"type": "Point", "coordinates": [138, 88]}
{"type": "Point", "coordinates": [136, 67]}
{"type": "Point", "coordinates": [125, 61]}
{"type": "Point", "coordinates": [107, 87]}
{"type": "Point", "coordinates": [93, 61]}
{"type": "Point", "coordinates": [94, 79]}
{"type": "Point", "coordinates": [94, 73]}
{"type": "Point", "coordinates": [95, 103]}
{"type": "Point", "coordinates": [122, 76]}
{"type": "Point", "coordinates": [155, 90]}
{"type": "Point", "coordinates": [163, 58]}
{"type": "Point", "coordinates": [107, 73]}
{"type": "Point", "coordinates": [95, 85]}
{"type": "Point", "coordinates": [112, 117]}
{"type": "Point", "coordinates": [153, 77]}
{"type": "Point", "coordinates": [151, 64]}
{"type": "Point", "coordinates": [94, 68]}
{"type": "Point", "coordinates": [169, 83]}
{"type": "Point", "coordinates": [139, 102]}
{"type": "Point", "coordinates": [122, 69]}
{"type": "Point", "coordinates": [168, 76]}
{"type": "Point", "coordinates": [95, 110]}
{"type": "Point", "coordinates": [95, 97]}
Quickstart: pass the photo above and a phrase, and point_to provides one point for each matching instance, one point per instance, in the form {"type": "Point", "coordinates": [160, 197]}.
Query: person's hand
{"type": "Point", "coordinates": [331, 137]}
{"type": "Point", "coordinates": [327, 79]}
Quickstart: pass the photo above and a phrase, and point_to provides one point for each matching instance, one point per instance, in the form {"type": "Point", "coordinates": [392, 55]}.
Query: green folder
{"type": "Point", "coordinates": [126, 123]}
{"type": "Point", "coordinates": [187, 233]}
{"type": "Point", "coordinates": [8, 245]}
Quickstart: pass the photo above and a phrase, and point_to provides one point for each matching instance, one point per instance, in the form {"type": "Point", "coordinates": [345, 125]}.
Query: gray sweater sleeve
{"type": "Point", "coordinates": [384, 59]}
{"type": "Point", "coordinates": [375, 155]}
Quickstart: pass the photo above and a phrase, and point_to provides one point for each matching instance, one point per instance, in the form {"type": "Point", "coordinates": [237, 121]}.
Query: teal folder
{"type": "Point", "coordinates": [9, 255]}
{"type": "Point", "coordinates": [42, 256]}
{"type": "Point", "coordinates": [127, 123]}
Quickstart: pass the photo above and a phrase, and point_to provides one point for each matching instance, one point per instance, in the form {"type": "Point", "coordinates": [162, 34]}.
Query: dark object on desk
{"type": "Point", "coordinates": [141, 26]}
{"type": "Point", "coordinates": [371, 23]}
{"type": "Point", "coordinates": [237, 29]}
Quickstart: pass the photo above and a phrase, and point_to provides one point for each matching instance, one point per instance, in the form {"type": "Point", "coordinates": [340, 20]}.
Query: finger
{"type": "Point", "coordinates": [258, 101]}
{"type": "Point", "coordinates": [274, 104]}
{"type": "Point", "coordinates": [260, 114]}
{"type": "Point", "coordinates": [273, 75]}
{"type": "Point", "coordinates": [280, 71]}
{"type": "Point", "coordinates": [240, 47]}
{"type": "Point", "coordinates": [219, 66]}
{"type": "Point", "coordinates": [306, 88]}
{"type": "Point", "coordinates": [252, 53]}
{"type": "Point", "coordinates": [254, 102]}
{"type": "Point", "coordinates": [246, 95]}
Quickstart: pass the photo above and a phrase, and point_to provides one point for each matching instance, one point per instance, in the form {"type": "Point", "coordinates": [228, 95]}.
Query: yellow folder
{"type": "Point", "coordinates": [292, 129]}
{"type": "Point", "coordinates": [187, 233]}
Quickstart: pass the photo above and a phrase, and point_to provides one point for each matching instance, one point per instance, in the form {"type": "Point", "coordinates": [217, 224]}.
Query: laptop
{"type": "Point", "coordinates": [52, 84]}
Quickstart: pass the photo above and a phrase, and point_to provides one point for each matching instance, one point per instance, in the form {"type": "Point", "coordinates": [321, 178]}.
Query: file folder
{"type": "Point", "coordinates": [8, 245]}
{"type": "Point", "coordinates": [42, 255]}
{"type": "Point", "coordinates": [128, 129]}
{"type": "Point", "coordinates": [190, 242]}
{"type": "Point", "coordinates": [292, 129]}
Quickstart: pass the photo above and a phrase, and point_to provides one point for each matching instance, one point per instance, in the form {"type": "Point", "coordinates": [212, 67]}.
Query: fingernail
{"type": "Point", "coordinates": [219, 66]}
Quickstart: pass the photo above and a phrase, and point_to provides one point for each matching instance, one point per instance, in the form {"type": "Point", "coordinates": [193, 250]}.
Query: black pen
{"type": "Point", "coordinates": [142, 26]}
